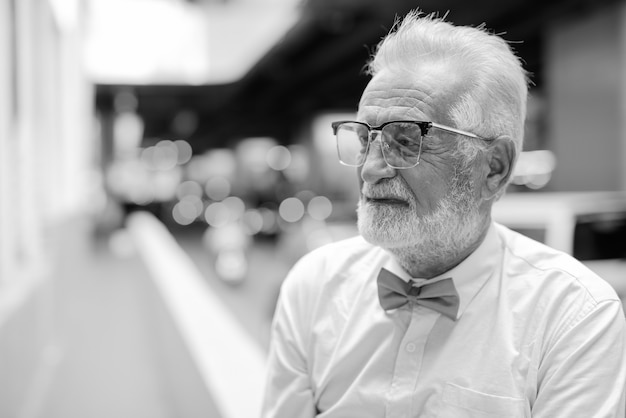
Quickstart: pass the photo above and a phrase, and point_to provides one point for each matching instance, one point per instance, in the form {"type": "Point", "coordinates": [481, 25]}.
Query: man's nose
{"type": "Point", "coordinates": [375, 167]}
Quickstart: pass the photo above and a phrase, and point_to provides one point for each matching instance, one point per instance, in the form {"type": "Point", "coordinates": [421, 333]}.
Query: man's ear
{"type": "Point", "coordinates": [500, 159]}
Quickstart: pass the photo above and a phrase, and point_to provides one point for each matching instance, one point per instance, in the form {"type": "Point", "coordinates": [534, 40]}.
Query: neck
{"type": "Point", "coordinates": [428, 259]}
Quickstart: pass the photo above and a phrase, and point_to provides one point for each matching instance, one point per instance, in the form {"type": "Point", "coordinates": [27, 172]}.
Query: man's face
{"type": "Point", "coordinates": [429, 204]}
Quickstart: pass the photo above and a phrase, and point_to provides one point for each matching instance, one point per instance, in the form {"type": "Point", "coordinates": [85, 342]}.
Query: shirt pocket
{"type": "Point", "coordinates": [461, 402]}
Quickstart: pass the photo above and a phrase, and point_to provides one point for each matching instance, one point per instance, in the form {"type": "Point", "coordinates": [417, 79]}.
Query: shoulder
{"type": "Point", "coordinates": [331, 266]}
{"type": "Point", "coordinates": [552, 272]}
{"type": "Point", "coordinates": [554, 291]}
{"type": "Point", "coordinates": [332, 259]}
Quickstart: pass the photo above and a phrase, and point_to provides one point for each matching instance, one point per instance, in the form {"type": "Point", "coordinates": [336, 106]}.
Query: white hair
{"type": "Point", "coordinates": [493, 101]}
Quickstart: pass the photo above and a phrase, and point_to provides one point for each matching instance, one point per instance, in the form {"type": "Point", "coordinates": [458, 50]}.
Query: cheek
{"type": "Point", "coordinates": [428, 189]}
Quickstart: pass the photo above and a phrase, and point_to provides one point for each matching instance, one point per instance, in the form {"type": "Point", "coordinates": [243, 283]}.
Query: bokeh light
{"type": "Point", "coordinates": [291, 209]}
{"type": "Point", "coordinates": [299, 169]}
{"type": "Point", "coordinates": [195, 202]}
{"type": "Point", "coordinates": [185, 152]}
{"type": "Point", "coordinates": [236, 207]}
{"type": "Point", "coordinates": [305, 195]}
{"type": "Point", "coordinates": [270, 222]}
{"type": "Point", "coordinates": [187, 210]}
{"type": "Point", "coordinates": [217, 214]}
{"type": "Point", "coordinates": [147, 156]}
{"type": "Point", "coordinates": [185, 122]}
{"type": "Point", "coordinates": [127, 134]}
{"type": "Point", "coordinates": [218, 162]}
{"type": "Point", "coordinates": [278, 158]}
{"type": "Point", "coordinates": [165, 156]}
{"type": "Point", "coordinates": [180, 215]}
{"type": "Point", "coordinates": [231, 266]}
{"type": "Point", "coordinates": [188, 187]}
{"type": "Point", "coordinates": [124, 101]}
{"type": "Point", "coordinates": [217, 188]}
{"type": "Point", "coordinates": [252, 153]}
{"type": "Point", "coordinates": [252, 221]}
{"type": "Point", "coordinates": [320, 208]}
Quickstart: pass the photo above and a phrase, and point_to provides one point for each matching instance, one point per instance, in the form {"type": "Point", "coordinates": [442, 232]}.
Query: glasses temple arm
{"type": "Point", "coordinates": [454, 130]}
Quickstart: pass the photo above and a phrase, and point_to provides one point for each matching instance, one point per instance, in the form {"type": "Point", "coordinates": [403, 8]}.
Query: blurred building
{"type": "Point", "coordinates": [46, 176]}
{"type": "Point", "coordinates": [65, 121]}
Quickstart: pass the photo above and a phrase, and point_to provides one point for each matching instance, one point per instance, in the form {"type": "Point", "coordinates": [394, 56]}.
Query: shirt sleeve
{"type": "Point", "coordinates": [288, 390]}
{"type": "Point", "coordinates": [584, 373]}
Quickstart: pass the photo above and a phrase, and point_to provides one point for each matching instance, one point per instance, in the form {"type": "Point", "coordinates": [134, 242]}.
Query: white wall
{"type": "Point", "coordinates": [45, 148]}
{"type": "Point", "coordinates": [46, 141]}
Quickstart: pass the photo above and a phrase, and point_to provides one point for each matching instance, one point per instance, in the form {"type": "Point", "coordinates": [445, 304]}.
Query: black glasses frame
{"type": "Point", "coordinates": [424, 128]}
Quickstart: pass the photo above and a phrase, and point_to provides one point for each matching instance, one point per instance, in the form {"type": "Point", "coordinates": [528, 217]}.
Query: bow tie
{"type": "Point", "coordinates": [440, 296]}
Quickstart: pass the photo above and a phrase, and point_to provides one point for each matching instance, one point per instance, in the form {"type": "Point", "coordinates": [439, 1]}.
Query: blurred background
{"type": "Point", "coordinates": [163, 163]}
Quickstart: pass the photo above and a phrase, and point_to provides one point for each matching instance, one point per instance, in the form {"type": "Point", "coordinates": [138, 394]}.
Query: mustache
{"type": "Point", "coordinates": [388, 188]}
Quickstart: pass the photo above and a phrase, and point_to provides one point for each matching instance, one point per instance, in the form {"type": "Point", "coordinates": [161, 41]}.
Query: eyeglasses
{"type": "Point", "coordinates": [401, 141]}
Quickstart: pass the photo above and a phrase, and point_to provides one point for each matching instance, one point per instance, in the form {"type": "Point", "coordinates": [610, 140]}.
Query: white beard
{"type": "Point", "coordinates": [421, 240]}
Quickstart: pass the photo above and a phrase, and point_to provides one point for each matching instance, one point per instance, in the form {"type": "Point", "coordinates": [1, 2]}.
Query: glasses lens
{"type": "Point", "coordinates": [352, 139]}
{"type": "Point", "coordinates": [403, 144]}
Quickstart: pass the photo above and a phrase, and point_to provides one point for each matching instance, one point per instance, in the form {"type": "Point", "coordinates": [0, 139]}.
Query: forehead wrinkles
{"type": "Point", "coordinates": [400, 99]}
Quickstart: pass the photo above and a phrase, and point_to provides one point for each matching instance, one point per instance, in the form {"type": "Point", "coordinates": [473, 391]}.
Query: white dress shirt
{"type": "Point", "coordinates": [537, 335]}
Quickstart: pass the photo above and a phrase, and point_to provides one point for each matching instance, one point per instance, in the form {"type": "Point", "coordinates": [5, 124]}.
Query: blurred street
{"type": "Point", "coordinates": [104, 362]}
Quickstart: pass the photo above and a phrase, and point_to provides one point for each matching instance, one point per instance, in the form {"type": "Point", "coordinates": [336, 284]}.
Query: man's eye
{"type": "Point", "coordinates": [405, 141]}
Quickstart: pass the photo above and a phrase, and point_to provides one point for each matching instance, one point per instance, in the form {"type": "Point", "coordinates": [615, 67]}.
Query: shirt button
{"type": "Point", "coordinates": [410, 347]}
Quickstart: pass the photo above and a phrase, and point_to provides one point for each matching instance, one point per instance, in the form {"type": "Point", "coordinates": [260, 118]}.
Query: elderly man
{"type": "Point", "coordinates": [435, 310]}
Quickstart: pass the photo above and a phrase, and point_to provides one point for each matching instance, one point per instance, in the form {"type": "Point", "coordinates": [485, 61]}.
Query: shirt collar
{"type": "Point", "coordinates": [471, 274]}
